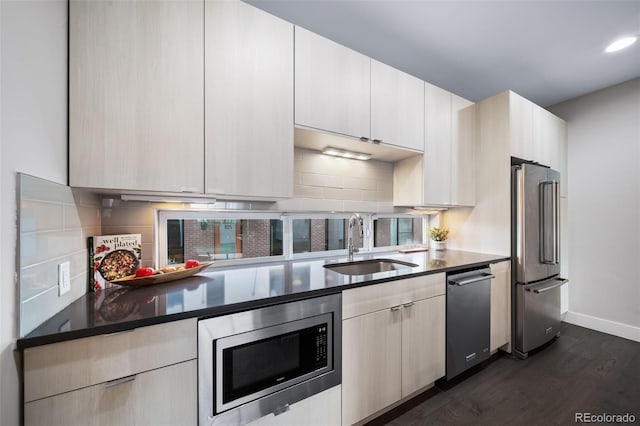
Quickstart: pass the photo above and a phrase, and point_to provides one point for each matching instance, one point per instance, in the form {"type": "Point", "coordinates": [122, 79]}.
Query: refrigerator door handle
{"type": "Point", "coordinates": [544, 226]}
{"type": "Point", "coordinates": [556, 222]}
{"type": "Point", "coordinates": [555, 284]}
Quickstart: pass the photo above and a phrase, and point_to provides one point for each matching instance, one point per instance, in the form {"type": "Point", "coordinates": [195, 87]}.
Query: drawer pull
{"type": "Point", "coordinates": [120, 381]}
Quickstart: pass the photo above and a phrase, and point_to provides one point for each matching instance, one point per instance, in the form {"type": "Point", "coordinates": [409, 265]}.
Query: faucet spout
{"type": "Point", "coordinates": [355, 218]}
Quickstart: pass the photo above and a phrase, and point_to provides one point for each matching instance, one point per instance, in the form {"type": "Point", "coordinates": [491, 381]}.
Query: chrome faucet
{"type": "Point", "coordinates": [352, 221]}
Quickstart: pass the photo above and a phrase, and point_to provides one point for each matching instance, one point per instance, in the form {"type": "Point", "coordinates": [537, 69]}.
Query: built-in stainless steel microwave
{"type": "Point", "coordinates": [258, 362]}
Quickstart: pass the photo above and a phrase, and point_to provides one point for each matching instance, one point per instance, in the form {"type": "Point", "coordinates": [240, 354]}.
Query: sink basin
{"type": "Point", "coordinates": [371, 266]}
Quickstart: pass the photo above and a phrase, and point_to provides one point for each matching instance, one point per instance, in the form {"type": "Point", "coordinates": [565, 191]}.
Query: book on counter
{"type": "Point", "coordinates": [112, 257]}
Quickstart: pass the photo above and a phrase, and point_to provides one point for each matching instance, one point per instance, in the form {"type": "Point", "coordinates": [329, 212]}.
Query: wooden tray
{"type": "Point", "coordinates": [161, 278]}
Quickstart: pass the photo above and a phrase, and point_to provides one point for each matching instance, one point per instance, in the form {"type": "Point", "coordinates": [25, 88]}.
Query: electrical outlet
{"type": "Point", "coordinates": [64, 278]}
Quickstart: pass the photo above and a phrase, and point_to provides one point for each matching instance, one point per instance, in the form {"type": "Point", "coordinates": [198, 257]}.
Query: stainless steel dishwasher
{"type": "Point", "coordinates": [468, 319]}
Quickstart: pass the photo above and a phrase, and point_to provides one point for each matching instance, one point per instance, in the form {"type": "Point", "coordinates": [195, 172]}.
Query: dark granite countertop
{"type": "Point", "coordinates": [224, 289]}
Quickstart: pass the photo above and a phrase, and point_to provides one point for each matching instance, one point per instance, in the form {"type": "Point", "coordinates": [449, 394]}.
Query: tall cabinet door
{"type": "Point", "coordinates": [397, 107]}
{"type": "Point", "coordinates": [248, 101]}
{"type": "Point", "coordinates": [332, 86]}
{"type": "Point", "coordinates": [437, 148]}
{"type": "Point", "coordinates": [463, 152]}
{"type": "Point", "coordinates": [135, 95]}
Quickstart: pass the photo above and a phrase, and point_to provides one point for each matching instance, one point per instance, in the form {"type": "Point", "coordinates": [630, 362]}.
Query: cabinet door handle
{"type": "Point", "coordinates": [364, 139]}
{"type": "Point", "coordinates": [377, 141]}
{"type": "Point", "coordinates": [408, 304]}
{"type": "Point", "coordinates": [120, 381]}
{"type": "Point", "coordinates": [396, 308]}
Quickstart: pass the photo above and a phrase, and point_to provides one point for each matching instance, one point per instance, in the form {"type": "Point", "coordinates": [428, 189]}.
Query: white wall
{"type": "Point", "coordinates": [604, 209]}
{"type": "Point", "coordinates": [33, 140]}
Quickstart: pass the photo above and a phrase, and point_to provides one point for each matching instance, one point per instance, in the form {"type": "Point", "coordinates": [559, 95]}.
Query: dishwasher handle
{"type": "Point", "coordinates": [471, 280]}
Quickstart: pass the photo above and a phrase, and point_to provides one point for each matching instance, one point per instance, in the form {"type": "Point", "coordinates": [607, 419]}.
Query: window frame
{"type": "Point", "coordinates": [425, 224]}
{"type": "Point", "coordinates": [160, 229]}
{"type": "Point", "coordinates": [162, 215]}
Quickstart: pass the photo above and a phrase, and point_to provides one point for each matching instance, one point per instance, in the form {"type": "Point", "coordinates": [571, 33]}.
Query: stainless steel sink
{"type": "Point", "coordinates": [371, 266]}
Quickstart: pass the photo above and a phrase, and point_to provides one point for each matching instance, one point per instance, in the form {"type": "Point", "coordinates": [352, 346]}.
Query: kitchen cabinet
{"type": "Point", "coordinates": [248, 102]}
{"type": "Point", "coordinates": [136, 72]}
{"type": "Point", "coordinates": [322, 409]}
{"type": "Point", "coordinates": [144, 376]}
{"type": "Point", "coordinates": [463, 152]}
{"type": "Point", "coordinates": [445, 174]}
{"type": "Point", "coordinates": [520, 122]}
{"type": "Point", "coordinates": [501, 307]}
{"type": "Point", "coordinates": [340, 91]}
{"type": "Point", "coordinates": [165, 396]}
{"type": "Point", "coordinates": [332, 86]}
{"type": "Point", "coordinates": [437, 156]}
{"type": "Point", "coordinates": [535, 134]}
{"type": "Point", "coordinates": [393, 343]}
{"type": "Point", "coordinates": [397, 107]}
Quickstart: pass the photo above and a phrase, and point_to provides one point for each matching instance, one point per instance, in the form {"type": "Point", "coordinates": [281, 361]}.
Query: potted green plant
{"type": "Point", "coordinates": [438, 238]}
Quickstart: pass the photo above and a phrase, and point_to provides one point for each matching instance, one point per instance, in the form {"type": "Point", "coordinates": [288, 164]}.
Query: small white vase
{"type": "Point", "coordinates": [438, 245]}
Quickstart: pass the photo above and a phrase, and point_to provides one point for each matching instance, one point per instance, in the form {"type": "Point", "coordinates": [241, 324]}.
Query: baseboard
{"type": "Point", "coordinates": [610, 327]}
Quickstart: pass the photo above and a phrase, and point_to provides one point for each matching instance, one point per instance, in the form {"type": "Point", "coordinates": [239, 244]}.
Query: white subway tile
{"type": "Point", "coordinates": [327, 181]}
{"type": "Point", "coordinates": [301, 191]}
{"type": "Point", "coordinates": [342, 194]}
{"type": "Point", "coordinates": [40, 216]}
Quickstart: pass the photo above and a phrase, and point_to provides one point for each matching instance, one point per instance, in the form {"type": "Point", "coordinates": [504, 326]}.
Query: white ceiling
{"type": "Point", "coordinates": [547, 50]}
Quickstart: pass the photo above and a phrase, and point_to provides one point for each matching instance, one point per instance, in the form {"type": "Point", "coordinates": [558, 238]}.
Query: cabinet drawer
{"type": "Point", "coordinates": [65, 366]}
{"type": "Point", "coordinates": [373, 298]}
{"type": "Point", "coordinates": [165, 396]}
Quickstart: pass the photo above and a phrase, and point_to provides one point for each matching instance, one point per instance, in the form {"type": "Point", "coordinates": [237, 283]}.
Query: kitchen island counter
{"type": "Point", "coordinates": [223, 289]}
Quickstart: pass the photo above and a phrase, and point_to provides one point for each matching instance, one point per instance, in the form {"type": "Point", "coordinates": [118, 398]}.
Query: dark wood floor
{"type": "Point", "coordinates": [581, 371]}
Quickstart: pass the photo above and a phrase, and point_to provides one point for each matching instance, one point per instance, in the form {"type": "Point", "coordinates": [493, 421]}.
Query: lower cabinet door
{"type": "Point", "coordinates": [371, 363]}
{"type": "Point", "coordinates": [165, 396]}
{"type": "Point", "coordinates": [423, 343]}
{"type": "Point", "coordinates": [322, 409]}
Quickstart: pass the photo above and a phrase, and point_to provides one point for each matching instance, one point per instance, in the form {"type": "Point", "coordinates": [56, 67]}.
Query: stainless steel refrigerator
{"type": "Point", "coordinates": [535, 254]}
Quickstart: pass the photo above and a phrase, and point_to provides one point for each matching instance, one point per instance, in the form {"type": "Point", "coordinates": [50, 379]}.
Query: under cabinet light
{"type": "Point", "coordinates": [621, 43]}
{"type": "Point", "coordinates": [167, 199]}
{"type": "Point", "coordinates": [336, 152]}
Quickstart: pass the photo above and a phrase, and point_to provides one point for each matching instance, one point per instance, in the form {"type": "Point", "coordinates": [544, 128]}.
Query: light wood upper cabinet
{"type": "Point", "coordinates": [248, 101]}
{"type": "Point", "coordinates": [332, 86]}
{"type": "Point", "coordinates": [397, 107]}
{"type": "Point", "coordinates": [437, 155]}
{"type": "Point", "coordinates": [520, 126]}
{"type": "Point", "coordinates": [463, 152]}
{"type": "Point", "coordinates": [445, 175]}
{"type": "Point", "coordinates": [136, 72]}
{"type": "Point", "coordinates": [501, 306]}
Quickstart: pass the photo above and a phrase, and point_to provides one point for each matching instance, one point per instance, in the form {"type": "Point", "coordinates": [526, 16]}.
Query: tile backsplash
{"type": "Point", "coordinates": [54, 223]}
{"type": "Point", "coordinates": [325, 183]}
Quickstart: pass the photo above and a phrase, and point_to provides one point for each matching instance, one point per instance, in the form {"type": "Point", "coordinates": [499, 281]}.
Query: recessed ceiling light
{"type": "Point", "coordinates": [620, 44]}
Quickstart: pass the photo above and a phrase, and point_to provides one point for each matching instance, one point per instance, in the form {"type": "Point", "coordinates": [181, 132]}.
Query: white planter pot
{"type": "Point", "coordinates": [438, 245]}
